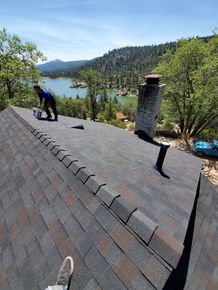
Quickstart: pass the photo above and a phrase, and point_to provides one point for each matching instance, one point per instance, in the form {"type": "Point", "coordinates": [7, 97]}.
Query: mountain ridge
{"type": "Point", "coordinates": [58, 65]}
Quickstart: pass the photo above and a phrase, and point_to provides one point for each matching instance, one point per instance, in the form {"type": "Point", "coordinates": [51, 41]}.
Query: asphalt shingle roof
{"type": "Point", "coordinates": [93, 194]}
{"type": "Point", "coordinates": [203, 266]}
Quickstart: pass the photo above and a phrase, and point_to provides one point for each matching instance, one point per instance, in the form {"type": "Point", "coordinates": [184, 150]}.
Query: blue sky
{"type": "Point", "coordinates": [84, 29]}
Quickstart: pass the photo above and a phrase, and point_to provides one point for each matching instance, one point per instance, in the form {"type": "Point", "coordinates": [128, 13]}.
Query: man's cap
{"type": "Point", "coordinates": [36, 87]}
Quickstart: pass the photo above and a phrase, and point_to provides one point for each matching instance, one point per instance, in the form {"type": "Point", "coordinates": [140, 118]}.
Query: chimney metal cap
{"type": "Point", "coordinates": [152, 79]}
{"type": "Point", "coordinates": [152, 76]}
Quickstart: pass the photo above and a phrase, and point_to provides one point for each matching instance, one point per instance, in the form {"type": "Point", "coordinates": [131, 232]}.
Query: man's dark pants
{"type": "Point", "coordinates": [51, 104]}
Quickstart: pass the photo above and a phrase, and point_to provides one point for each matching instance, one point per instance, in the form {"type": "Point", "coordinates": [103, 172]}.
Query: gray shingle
{"type": "Point", "coordinates": [92, 284]}
{"type": "Point", "coordinates": [139, 254]}
{"type": "Point", "coordinates": [15, 281]}
{"type": "Point", "coordinates": [56, 149]}
{"type": "Point", "coordinates": [113, 254]}
{"type": "Point", "coordinates": [84, 174]}
{"type": "Point", "coordinates": [62, 154]}
{"type": "Point", "coordinates": [94, 183]}
{"type": "Point", "coordinates": [47, 141]}
{"type": "Point", "coordinates": [68, 160]}
{"type": "Point", "coordinates": [82, 215]}
{"type": "Point", "coordinates": [82, 273]}
{"type": "Point", "coordinates": [36, 131]}
{"type": "Point", "coordinates": [166, 246]}
{"type": "Point", "coordinates": [52, 144]}
{"type": "Point", "coordinates": [156, 272]}
{"type": "Point", "coordinates": [105, 218]}
{"type": "Point", "coordinates": [122, 208]}
{"type": "Point", "coordinates": [95, 231]}
{"type": "Point", "coordinates": [7, 256]}
{"type": "Point", "coordinates": [142, 225]}
{"type": "Point", "coordinates": [76, 166]}
{"type": "Point", "coordinates": [97, 264]}
{"type": "Point", "coordinates": [83, 244]}
{"type": "Point", "coordinates": [40, 134]}
{"type": "Point", "coordinates": [107, 195]}
{"type": "Point", "coordinates": [27, 276]}
{"type": "Point", "coordinates": [112, 281]}
{"type": "Point", "coordinates": [73, 228]}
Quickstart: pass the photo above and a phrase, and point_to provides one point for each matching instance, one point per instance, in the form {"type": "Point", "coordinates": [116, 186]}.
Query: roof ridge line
{"type": "Point", "coordinates": [155, 238]}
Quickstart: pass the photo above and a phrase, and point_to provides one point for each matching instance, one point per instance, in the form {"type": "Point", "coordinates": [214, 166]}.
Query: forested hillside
{"type": "Point", "coordinates": [123, 68]}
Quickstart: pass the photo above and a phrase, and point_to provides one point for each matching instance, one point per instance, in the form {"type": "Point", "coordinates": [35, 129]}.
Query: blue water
{"type": "Point", "coordinates": [61, 87]}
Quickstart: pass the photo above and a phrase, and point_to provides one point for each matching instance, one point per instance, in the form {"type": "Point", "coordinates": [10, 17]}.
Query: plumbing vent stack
{"type": "Point", "coordinates": [164, 145]}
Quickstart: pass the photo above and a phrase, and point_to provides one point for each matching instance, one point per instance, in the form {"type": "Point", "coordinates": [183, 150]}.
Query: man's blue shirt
{"type": "Point", "coordinates": [45, 95]}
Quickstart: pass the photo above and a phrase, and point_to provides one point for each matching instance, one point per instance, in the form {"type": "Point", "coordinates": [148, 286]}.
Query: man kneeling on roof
{"type": "Point", "coordinates": [48, 100]}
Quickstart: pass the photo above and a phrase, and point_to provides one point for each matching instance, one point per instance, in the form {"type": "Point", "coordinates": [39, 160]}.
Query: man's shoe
{"type": "Point", "coordinates": [65, 273]}
{"type": "Point", "coordinates": [48, 118]}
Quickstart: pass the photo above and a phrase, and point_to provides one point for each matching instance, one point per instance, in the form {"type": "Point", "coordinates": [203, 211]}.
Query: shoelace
{"type": "Point", "coordinates": [61, 279]}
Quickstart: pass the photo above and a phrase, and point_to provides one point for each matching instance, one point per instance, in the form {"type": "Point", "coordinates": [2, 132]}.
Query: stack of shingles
{"type": "Point", "coordinates": [58, 207]}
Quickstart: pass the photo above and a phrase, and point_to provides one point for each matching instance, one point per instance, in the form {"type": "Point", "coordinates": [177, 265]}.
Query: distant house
{"type": "Point", "coordinates": [94, 194]}
{"type": "Point", "coordinates": [120, 116]}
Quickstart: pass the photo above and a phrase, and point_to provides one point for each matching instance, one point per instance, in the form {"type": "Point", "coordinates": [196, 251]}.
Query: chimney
{"type": "Point", "coordinates": [149, 102]}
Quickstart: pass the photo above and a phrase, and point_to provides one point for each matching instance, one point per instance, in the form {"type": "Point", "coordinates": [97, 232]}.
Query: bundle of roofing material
{"type": "Point", "coordinates": [37, 113]}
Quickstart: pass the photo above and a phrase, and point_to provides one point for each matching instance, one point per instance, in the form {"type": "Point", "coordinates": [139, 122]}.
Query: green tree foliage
{"type": "Point", "coordinates": [17, 68]}
{"type": "Point", "coordinates": [4, 102]}
{"type": "Point", "coordinates": [79, 108]}
{"type": "Point", "coordinates": [94, 81]}
{"type": "Point", "coordinates": [72, 107]}
{"type": "Point", "coordinates": [97, 101]}
{"type": "Point", "coordinates": [191, 77]}
{"type": "Point", "coordinates": [104, 107]}
{"type": "Point", "coordinates": [129, 108]}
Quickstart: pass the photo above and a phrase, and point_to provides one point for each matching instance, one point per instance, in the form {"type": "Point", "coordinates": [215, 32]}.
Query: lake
{"type": "Point", "coordinates": [61, 87]}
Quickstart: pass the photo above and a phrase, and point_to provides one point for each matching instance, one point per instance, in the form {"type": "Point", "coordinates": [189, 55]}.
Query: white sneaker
{"type": "Point", "coordinates": [65, 272]}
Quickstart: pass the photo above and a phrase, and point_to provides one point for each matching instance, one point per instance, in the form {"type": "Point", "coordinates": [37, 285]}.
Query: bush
{"type": "Point", "coordinates": [208, 134]}
{"type": "Point", "coordinates": [4, 102]}
{"type": "Point", "coordinates": [72, 107]}
{"type": "Point", "coordinates": [117, 123]}
{"type": "Point", "coordinates": [168, 133]}
{"type": "Point", "coordinates": [129, 108]}
{"type": "Point", "coordinates": [131, 126]}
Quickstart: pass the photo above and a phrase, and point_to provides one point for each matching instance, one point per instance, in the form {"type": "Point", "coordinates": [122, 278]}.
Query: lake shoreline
{"type": "Point", "coordinates": [63, 87]}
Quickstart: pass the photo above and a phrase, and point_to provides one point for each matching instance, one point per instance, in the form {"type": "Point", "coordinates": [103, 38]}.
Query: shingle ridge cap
{"type": "Point", "coordinates": [155, 238]}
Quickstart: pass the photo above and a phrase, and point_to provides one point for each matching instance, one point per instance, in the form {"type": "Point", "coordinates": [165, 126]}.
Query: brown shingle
{"type": "Point", "coordinates": [122, 237]}
{"type": "Point", "coordinates": [70, 199]}
{"type": "Point", "coordinates": [126, 270]}
{"type": "Point", "coordinates": [3, 231]}
{"type": "Point", "coordinates": [105, 245]}
{"type": "Point", "coordinates": [3, 275]}
{"type": "Point", "coordinates": [22, 216]}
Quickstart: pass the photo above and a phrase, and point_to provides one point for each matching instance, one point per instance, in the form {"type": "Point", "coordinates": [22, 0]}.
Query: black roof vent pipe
{"type": "Point", "coordinates": [164, 145]}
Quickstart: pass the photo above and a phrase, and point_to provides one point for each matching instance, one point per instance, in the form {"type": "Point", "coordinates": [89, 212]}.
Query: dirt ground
{"type": "Point", "coordinates": [209, 166]}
